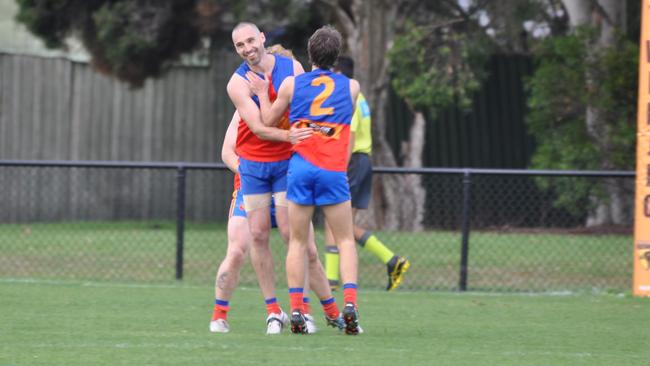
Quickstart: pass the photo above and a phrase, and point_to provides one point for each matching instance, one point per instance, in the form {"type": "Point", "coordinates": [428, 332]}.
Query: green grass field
{"type": "Point", "coordinates": [146, 251]}
{"type": "Point", "coordinates": [85, 323]}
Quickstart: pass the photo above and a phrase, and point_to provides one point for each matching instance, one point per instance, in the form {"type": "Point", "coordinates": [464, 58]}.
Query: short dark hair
{"type": "Point", "coordinates": [345, 65]}
{"type": "Point", "coordinates": [245, 24]}
{"type": "Point", "coordinates": [324, 47]}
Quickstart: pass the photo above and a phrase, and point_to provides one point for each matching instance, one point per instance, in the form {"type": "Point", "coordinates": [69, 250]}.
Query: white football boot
{"type": "Point", "coordinates": [310, 324]}
{"type": "Point", "coordinates": [219, 326]}
{"type": "Point", "coordinates": [276, 322]}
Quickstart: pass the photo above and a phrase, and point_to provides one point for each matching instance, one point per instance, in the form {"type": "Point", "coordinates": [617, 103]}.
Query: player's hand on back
{"type": "Point", "coordinates": [297, 134]}
{"type": "Point", "coordinates": [257, 85]}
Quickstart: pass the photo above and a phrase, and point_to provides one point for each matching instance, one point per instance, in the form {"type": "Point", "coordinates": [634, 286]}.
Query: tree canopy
{"type": "Point", "coordinates": [133, 40]}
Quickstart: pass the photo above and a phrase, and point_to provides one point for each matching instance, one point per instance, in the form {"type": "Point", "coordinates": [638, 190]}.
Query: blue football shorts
{"type": "Point", "coordinates": [263, 177]}
{"type": "Point", "coordinates": [310, 185]}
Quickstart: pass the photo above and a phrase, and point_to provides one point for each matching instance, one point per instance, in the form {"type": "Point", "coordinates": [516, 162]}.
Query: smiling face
{"type": "Point", "coordinates": [249, 43]}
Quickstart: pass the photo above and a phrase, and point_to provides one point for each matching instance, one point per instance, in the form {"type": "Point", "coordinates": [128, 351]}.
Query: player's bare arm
{"type": "Point", "coordinates": [240, 94]}
{"type": "Point", "coordinates": [355, 88]}
{"type": "Point", "coordinates": [350, 145]}
{"type": "Point", "coordinates": [271, 113]}
{"type": "Point", "coordinates": [260, 87]}
{"type": "Point", "coordinates": [297, 68]}
{"type": "Point", "coordinates": [228, 153]}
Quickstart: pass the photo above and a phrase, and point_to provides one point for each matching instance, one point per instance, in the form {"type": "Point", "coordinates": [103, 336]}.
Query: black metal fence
{"type": "Point", "coordinates": [487, 230]}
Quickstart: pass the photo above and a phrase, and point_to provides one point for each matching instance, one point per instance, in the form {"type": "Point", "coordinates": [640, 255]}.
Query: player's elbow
{"type": "Point", "coordinates": [268, 123]}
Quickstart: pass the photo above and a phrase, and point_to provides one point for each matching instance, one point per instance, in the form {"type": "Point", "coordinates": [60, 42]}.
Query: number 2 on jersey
{"type": "Point", "coordinates": [316, 108]}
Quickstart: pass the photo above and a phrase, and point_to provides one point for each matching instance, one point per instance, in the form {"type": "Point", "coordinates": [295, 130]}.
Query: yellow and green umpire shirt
{"type": "Point", "coordinates": [361, 127]}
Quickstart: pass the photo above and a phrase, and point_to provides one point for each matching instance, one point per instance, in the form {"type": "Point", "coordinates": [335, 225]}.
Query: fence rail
{"type": "Point", "coordinates": [85, 220]}
{"type": "Point", "coordinates": [524, 172]}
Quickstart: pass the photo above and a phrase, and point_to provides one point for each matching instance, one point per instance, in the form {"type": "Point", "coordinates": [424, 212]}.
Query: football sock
{"type": "Point", "coordinates": [220, 311]}
{"type": "Point", "coordinates": [332, 264]}
{"type": "Point", "coordinates": [272, 306]}
{"type": "Point", "coordinates": [350, 293]}
{"type": "Point", "coordinates": [370, 243]}
{"type": "Point", "coordinates": [329, 308]}
{"type": "Point", "coordinates": [306, 308]}
{"type": "Point", "coordinates": [295, 298]}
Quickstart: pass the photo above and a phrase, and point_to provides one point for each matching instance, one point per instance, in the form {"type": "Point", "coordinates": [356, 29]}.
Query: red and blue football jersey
{"type": "Point", "coordinates": [251, 147]}
{"type": "Point", "coordinates": [321, 100]}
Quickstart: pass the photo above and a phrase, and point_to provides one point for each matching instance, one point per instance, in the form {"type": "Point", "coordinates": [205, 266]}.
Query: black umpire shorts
{"type": "Point", "coordinates": [360, 179]}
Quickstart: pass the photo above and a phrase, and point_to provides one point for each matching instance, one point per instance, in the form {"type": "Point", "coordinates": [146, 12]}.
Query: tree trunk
{"type": "Point", "coordinates": [368, 29]}
{"type": "Point", "coordinates": [375, 35]}
{"type": "Point", "coordinates": [607, 16]}
{"type": "Point", "coordinates": [413, 205]}
{"type": "Point", "coordinates": [579, 12]}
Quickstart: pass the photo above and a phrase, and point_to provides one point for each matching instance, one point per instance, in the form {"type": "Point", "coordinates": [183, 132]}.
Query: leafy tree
{"type": "Point", "coordinates": [443, 68]}
{"type": "Point", "coordinates": [558, 104]}
{"type": "Point", "coordinates": [583, 106]}
{"type": "Point", "coordinates": [559, 100]}
{"type": "Point", "coordinates": [583, 93]}
{"type": "Point", "coordinates": [133, 40]}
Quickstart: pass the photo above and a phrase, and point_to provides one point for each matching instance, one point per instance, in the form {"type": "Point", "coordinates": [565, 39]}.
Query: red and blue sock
{"type": "Point", "coordinates": [330, 308]}
{"type": "Point", "coordinates": [306, 307]}
{"type": "Point", "coordinates": [272, 306]}
{"type": "Point", "coordinates": [296, 298]}
{"type": "Point", "coordinates": [350, 293]}
{"type": "Point", "coordinates": [221, 308]}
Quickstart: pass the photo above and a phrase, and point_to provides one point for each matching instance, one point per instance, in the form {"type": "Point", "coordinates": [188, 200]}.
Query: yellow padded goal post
{"type": "Point", "coordinates": [641, 281]}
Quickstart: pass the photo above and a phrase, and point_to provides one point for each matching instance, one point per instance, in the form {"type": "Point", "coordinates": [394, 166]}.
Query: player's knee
{"type": "Point", "coordinates": [346, 244]}
{"type": "Point", "coordinates": [260, 235]}
{"type": "Point", "coordinates": [238, 256]}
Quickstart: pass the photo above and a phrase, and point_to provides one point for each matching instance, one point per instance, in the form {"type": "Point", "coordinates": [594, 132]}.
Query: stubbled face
{"type": "Point", "coordinates": [249, 44]}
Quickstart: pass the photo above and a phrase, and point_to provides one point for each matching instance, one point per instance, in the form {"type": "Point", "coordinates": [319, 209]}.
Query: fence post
{"type": "Point", "coordinates": [180, 220]}
{"type": "Point", "coordinates": [464, 247]}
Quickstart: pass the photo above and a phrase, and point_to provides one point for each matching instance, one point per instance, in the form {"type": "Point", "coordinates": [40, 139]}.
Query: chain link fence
{"type": "Point", "coordinates": [484, 230]}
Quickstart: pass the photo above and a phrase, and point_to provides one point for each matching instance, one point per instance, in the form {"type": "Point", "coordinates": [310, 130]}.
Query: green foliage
{"type": "Point", "coordinates": [561, 93]}
{"type": "Point", "coordinates": [112, 22]}
{"type": "Point", "coordinates": [131, 40]}
{"type": "Point", "coordinates": [558, 105]}
{"type": "Point", "coordinates": [617, 94]}
{"type": "Point", "coordinates": [54, 20]}
{"type": "Point", "coordinates": [570, 76]}
{"type": "Point", "coordinates": [137, 39]}
{"type": "Point", "coordinates": [434, 67]}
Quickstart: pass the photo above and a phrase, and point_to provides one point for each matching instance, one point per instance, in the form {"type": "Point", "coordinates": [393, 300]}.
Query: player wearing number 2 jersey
{"type": "Point", "coordinates": [317, 170]}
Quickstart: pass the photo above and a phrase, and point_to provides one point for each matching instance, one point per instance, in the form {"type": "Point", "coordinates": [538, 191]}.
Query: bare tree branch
{"type": "Point", "coordinates": [344, 19]}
